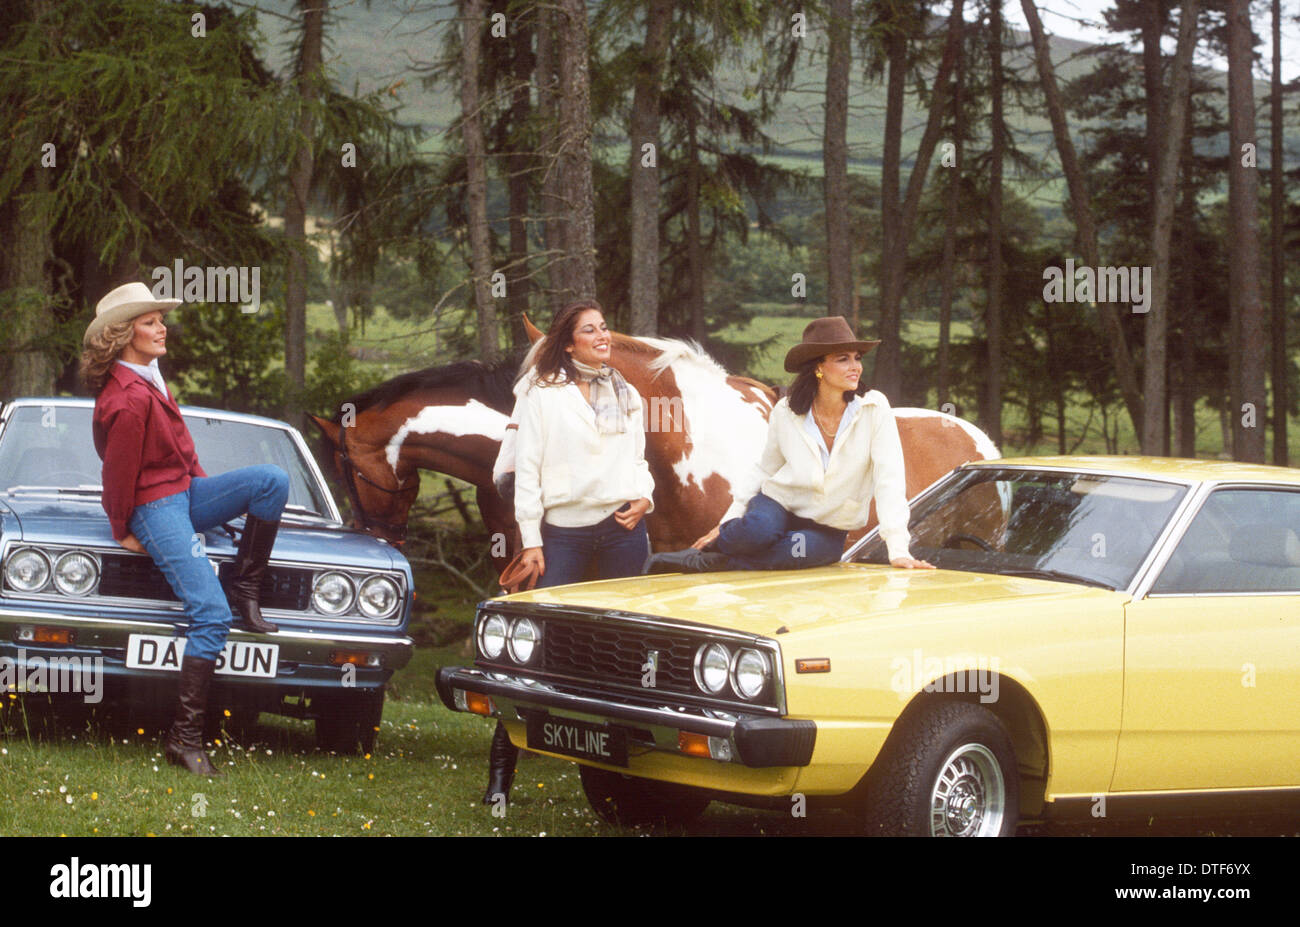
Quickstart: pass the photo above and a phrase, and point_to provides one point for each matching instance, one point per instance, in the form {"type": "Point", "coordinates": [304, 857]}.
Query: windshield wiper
{"type": "Point", "coordinates": [1040, 573]}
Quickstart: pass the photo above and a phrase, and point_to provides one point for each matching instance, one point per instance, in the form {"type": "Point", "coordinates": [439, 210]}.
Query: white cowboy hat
{"type": "Point", "coordinates": [125, 303]}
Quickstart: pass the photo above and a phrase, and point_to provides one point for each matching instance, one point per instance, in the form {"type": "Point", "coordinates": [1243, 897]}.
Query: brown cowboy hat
{"type": "Point", "coordinates": [825, 336]}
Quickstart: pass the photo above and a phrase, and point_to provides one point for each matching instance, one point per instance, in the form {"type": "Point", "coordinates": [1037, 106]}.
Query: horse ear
{"type": "Point", "coordinates": [328, 429]}
{"type": "Point", "coordinates": [534, 333]}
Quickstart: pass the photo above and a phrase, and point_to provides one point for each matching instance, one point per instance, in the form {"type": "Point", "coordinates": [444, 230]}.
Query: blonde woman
{"type": "Point", "coordinates": [158, 499]}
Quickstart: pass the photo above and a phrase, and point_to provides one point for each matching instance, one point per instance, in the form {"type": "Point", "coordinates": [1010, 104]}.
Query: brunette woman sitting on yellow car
{"type": "Point", "coordinates": [832, 447]}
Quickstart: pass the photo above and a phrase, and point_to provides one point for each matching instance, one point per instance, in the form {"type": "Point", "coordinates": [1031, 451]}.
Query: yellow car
{"type": "Point", "coordinates": [1099, 629]}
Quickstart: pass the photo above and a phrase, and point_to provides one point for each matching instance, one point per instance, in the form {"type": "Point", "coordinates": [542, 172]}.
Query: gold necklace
{"type": "Point", "coordinates": [820, 424]}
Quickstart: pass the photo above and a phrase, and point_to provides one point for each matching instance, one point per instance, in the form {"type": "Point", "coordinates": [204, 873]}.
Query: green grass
{"type": "Point", "coordinates": [425, 778]}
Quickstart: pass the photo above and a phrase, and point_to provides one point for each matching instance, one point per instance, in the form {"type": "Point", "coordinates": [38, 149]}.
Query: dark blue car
{"type": "Point", "coordinates": [79, 612]}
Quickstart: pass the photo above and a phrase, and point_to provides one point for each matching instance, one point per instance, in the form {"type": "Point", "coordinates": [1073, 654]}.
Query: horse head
{"type": "Point", "coordinates": [381, 495]}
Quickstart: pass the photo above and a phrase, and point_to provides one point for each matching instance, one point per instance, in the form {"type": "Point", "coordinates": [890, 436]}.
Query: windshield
{"type": "Point", "coordinates": [1082, 527]}
{"type": "Point", "coordinates": [52, 447]}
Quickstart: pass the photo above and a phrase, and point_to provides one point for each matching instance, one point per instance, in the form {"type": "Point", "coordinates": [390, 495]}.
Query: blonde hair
{"type": "Point", "coordinates": [102, 352]}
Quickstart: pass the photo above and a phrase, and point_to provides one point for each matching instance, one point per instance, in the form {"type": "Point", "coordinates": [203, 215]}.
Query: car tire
{"type": "Point", "coordinates": [628, 801]}
{"type": "Point", "coordinates": [948, 770]}
{"type": "Point", "coordinates": [347, 722]}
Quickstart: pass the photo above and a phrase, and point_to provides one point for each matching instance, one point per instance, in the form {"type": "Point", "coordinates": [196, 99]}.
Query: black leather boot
{"type": "Point", "coordinates": [690, 560]}
{"type": "Point", "coordinates": [184, 743]}
{"type": "Point", "coordinates": [501, 766]}
{"type": "Point", "coordinates": [250, 566]}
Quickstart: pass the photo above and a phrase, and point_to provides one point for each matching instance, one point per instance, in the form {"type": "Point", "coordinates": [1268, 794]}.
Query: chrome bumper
{"type": "Point", "coordinates": [757, 741]}
{"type": "Point", "coordinates": [112, 634]}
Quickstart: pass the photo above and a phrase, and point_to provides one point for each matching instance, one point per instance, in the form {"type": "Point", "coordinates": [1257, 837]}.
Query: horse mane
{"type": "Point", "coordinates": [491, 383]}
{"type": "Point", "coordinates": [664, 352]}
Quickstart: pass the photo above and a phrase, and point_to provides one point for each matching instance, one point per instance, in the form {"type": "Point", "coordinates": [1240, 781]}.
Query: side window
{"type": "Point", "coordinates": [1242, 540]}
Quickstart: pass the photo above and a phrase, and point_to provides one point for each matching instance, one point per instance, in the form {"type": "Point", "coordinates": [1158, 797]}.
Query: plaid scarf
{"type": "Point", "coordinates": [611, 397]}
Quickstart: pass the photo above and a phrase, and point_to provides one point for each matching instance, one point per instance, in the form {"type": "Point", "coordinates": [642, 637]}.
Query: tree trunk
{"type": "Point", "coordinates": [694, 243]}
{"type": "Point", "coordinates": [1153, 28]}
{"type": "Point", "coordinates": [308, 78]}
{"type": "Point", "coordinates": [1171, 124]}
{"type": "Point", "coordinates": [991, 413]}
{"type": "Point", "coordinates": [575, 150]}
{"type": "Point", "coordinates": [1183, 386]}
{"type": "Point", "coordinates": [26, 368]}
{"type": "Point", "coordinates": [1183, 379]}
{"type": "Point", "coordinates": [835, 161]}
{"type": "Point", "coordinates": [1081, 207]}
{"type": "Point", "coordinates": [518, 282]}
{"type": "Point", "coordinates": [886, 374]}
{"type": "Point", "coordinates": [1243, 244]}
{"type": "Point", "coordinates": [552, 202]}
{"type": "Point", "coordinates": [643, 288]}
{"type": "Point", "coordinates": [952, 198]}
{"type": "Point", "coordinates": [888, 371]}
{"type": "Point", "coordinates": [1277, 197]}
{"type": "Point", "coordinates": [480, 244]}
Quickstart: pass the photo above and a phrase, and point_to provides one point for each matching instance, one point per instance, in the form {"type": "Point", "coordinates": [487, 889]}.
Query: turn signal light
{"type": "Point", "coordinates": [45, 635]}
{"type": "Point", "coordinates": [693, 744]}
{"type": "Point", "coordinates": [813, 665]}
{"type": "Point", "coordinates": [355, 657]}
{"type": "Point", "coordinates": [478, 704]}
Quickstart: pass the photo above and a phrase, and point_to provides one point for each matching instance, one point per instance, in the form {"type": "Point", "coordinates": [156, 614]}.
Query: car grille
{"type": "Point", "coordinates": [139, 578]}
{"type": "Point", "coordinates": [618, 654]}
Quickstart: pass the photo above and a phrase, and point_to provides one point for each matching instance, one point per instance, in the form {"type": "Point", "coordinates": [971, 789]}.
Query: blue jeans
{"type": "Point", "coordinates": [767, 537]}
{"type": "Point", "coordinates": [170, 530]}
{"type": "Point", "coordinates": [616, 551]}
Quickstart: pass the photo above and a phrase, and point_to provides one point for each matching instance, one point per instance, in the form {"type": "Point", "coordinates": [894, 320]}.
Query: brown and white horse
{"type": "Point", "coordinates": [448, 419]}
{"type": "Point", "coordinates": [705, 430]}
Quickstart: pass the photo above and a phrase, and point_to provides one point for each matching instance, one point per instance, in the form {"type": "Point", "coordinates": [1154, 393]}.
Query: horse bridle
{"type": "Point", "coordinates": [350, 472]}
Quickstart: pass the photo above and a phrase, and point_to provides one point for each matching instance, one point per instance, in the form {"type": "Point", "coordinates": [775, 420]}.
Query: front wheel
{"type": "Point", "coordinates": [629, 801]}
{"type": "Point", "coordinates": [348, 720]}
{"type": "Point", "coordinates": [948, 771]}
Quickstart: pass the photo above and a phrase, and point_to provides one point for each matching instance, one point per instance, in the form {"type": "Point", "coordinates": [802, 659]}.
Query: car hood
{"type": "Point", "coordinates": [760, 602]}
{"type": "Point", "coordinates": [71, 519]}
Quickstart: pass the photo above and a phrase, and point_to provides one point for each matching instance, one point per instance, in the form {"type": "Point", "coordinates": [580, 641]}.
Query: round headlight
{"type": "Point", "coordinates": [711, 664]}
{"type": "Point", "coordinates": [27, 570]}
{"type": "Point", "coordinates": [332, 594]}
{"type": "Point", "coordinates": [378, 597]}
{"type": "Point", "coordinates": [749, 674]}
{"type": "Point", "coordinates": [492, 636]}
{"type": "Point", "coordinates": [524, 635]}
{"type": "Point", "coordinates": [76, 573]}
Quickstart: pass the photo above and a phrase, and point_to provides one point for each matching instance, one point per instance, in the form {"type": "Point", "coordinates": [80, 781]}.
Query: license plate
{"type": "Point", "coordinates": [237, 658]}
{"type": "Point", "coordinates": [580, 739]}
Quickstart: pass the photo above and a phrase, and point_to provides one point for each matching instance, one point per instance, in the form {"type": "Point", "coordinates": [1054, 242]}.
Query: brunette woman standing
{"type": "Point", "coordinates": [159, 499]}
{"type": "Point", "coordinates": [582, 484]}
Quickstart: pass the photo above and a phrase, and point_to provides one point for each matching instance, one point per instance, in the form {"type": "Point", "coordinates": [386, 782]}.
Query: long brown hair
{"type": "Point", "coordinates": [552, 360]}
{"type": "Point", "coordinates": [804, 388]}
{"type": "Point", "coordinates": [102, 352]}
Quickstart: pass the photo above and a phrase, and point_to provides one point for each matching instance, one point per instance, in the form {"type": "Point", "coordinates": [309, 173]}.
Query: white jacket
{"type": "Point", "coordinates": [866, 460]}
{"type": "Point", "coordinates": [566, 471]}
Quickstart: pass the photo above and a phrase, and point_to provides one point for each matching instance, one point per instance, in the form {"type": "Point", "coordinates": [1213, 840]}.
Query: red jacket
{"type": "Point", "coordinates": [147, 450]}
